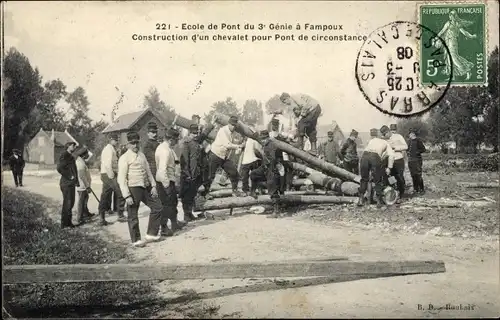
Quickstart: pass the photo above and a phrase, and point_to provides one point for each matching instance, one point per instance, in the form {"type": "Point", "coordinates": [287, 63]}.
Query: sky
{"type": "Point", "coordinates": [90, 44]}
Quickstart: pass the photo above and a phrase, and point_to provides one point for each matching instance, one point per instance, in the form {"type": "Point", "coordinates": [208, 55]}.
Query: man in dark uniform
{"type": "Point", "coordinates": [191, 176]}
{"type": "Point", "coordinates": [287, 178]}
{"type": "Point", "coordinates": [329, 150]}
{"type": "Point", "coordinates": [150, 146]}
{"type": "Point", "coordinates": [269, 171]}
{"type": "Point", "coordinates": [69, 180]}
{"type": "Point", "coordinates": [415, 149]}
{"type": "Point", "coordinates": [349, 153]}
{"type": "Point", "coordinates": [17, 163]}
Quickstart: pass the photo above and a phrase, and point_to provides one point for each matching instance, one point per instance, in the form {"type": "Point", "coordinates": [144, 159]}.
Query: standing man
{"type": "Point", "coordinates": [272, 159]}
{"type": "Point", "coordinates": [69, 180]}
{"type": "Point", "coordinates": [250, 162]}
{"type": "Point", "coordinates": [415, 149]}
{"type": "Point", "coordinates": [349, 153]}
{"type": "Point", "coordinates": [329, 150]}
{"type": "Point", "coordinates": [151, 145]}
{"type": "Point", "coordinates": [84, 180]}
{"type": "Point", "coordinates": [109, 170]}
{"type": "Point", "coordinates": [287, 177]}
{"type": "Point", "coordinates": [219, 154]}
{"type": "Point", "coordinates": [398, 144]}
{"type": "Point", "coordinates": [17, 164]}
{"type": "Point", "coordinates": [309, 111]}
{"type": "Point", "coordinates": [191, 175]}
{"type": "Point", "coordinates": [137, 185]}
{"type": "Point", "coordinates": [371, 163]}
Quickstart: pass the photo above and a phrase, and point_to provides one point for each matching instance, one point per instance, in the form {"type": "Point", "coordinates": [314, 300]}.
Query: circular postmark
{"type": "Point", "coordinates": [388, 69]}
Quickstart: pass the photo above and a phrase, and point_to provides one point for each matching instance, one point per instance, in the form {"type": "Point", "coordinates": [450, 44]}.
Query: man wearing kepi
{"type": "Point", "coordinates": [286, 177]}
{"type": "Point", "coordinates": [272, 159]}
{"type": "Point", "coordinates": [137, 185]}
{"type": "Point", "coordinates": [329, 150]}
{"type": "Point", "coordinates": [17, 164]}
{"type": "Point", "coordinates": [398, 144]}
{"type": "Point", "coordinates": [69, 180]}
{"type": "Point", "coordinates": [219, 153]}
{"type": "Point", "coordinates": [371, 162]}
{"type": "Point", "coordinates": [349, 153]}
{"type": "Point", "coordinates": [309, 111]}
{"type": "Point", "coordinates": [250, 162]}
{"type": "Point", "coordinates": [150, 146]}
{"type": "Point", "coordinates": [415, 149]}
{"type": "Point", "coordinates": [191, 175]}
{"type": "Point", "coordinates": [84, 179]}
{"type": "Point", "coordinates": [109, 171]}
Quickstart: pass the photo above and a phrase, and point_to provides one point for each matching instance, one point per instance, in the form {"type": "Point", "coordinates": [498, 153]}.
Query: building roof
{"type": "Point", "coordinates": [128, 120]}
{"type": "Point", "coordinates": [323, 129]}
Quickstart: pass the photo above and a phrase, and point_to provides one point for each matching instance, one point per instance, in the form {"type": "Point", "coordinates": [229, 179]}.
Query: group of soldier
{"type": "Point", "coordinates": [158, 176]}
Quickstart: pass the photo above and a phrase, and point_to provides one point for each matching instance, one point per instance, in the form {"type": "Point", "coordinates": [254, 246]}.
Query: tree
{"type": "Point", "coordinates": [152, 100]}
{"type": "Point", "coordinates": [491, 111]}
{"type": "Point", "coordinates": [21, 98]}
{"type": "Point", "coordinates": [48, 115]}
{"type": "Point", "coordinates": [274, 104]}
{"type": "Point", "coordinates": [422, 128]}
{"type": "Point", "coordinates": [227, 107]}
{"type": "Point", "coordinates": [253, 113]}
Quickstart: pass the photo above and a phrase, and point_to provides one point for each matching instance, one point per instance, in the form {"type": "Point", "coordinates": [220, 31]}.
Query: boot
{"type": "Point", "coordinates": [166, 232]}
{"type": "Point", "coordinates": [380, 202]}
{"type": "Point", "coordinates": [314, 150]}
{"type": "Point", "coordinates": [361, 201]}
{"type": "Point", "coordinates": [102, 221]}
{"type": "Point", "coordinates": [276, 211]}
{"type": "Point", "coordinates": [253, 194]}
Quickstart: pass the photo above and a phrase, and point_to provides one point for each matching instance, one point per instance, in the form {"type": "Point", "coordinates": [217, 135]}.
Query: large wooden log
{"type": "Point", "coordinates": [186, 123]}
{"type": "Point", "coordinates": [319, 178]}
{"type": "Point", "coordinates": [147, 272]}
{"type": "Point", "coordinates": [235, 202]}
{"type": "Point", "coordinates": [349, 188]}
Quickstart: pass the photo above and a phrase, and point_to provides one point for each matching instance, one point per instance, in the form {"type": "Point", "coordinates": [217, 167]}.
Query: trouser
{"type": "Point", "coordinates": [110, 186]}
{"type": "Point", "coordinates": [18, 176]}
{"type": "Point", "coordinates": [115, 202]}
{"type": "Point", "coordinates": [371, 163]}
{"type": "Point", "coordinates": [188, 192]}
{"type": "Point", "coordinates": [286, 180]}
{"type": "Point", "coordinates": [307, 125]}
{"type": "Point", "coordinates": [169, 201]}
{"type": "Point", "coordinates": [141, 194]}
{"type": "Point", "coordinates": [272, 179]}
{"type": "Point", "coordinates": [415, 166]}
{"type": "Point", "coordinates": [245, 173]}
{"type": "Point", "coordinates": [352, 166]}
{"type": "Point", "coordinates": [398, 171]}
{"type": "Point", "coordinates": [68, 193]}
{"type": "Point", "coordinates": [215, 162]}
{"type": "Point", "coordinates": [82, 206]}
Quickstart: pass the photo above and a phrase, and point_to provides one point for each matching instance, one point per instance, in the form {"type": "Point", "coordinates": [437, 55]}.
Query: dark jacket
{"type": "Point", "coordinates": [330, 150]}
{"type": "Point", "coordinates": [190, 159]}
{"type": "Point", "coordinates": [349, 151]}
{"type": "Point", "coordinates": [272, 156]}
{"type": "Point", "coordinates": [67, 168]}
{"type": "Point", "coordinates": [16, 164]}
{"type": "Point", "coordinates": [149, 151]}
{"type": "Point", "coordinates": [415, 149]}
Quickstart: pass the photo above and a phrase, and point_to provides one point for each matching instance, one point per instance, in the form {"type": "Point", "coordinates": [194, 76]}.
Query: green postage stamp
{"type": "Point", "coordinates": [462, 27]}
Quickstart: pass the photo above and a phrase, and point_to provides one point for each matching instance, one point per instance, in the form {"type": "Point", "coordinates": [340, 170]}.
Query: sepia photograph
{"type": "Point", "coordinates": [250, 159]}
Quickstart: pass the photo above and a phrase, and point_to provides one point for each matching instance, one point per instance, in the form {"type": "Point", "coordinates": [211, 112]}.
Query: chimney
{"type": "Point", "coordinates": [53, 136]}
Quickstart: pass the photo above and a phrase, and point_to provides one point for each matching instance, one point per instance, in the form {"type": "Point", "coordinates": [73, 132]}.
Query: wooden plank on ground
{"type": "Point", "coordinates": [144, 272]}
{"type": "Point", "coordinates": [479, 184]}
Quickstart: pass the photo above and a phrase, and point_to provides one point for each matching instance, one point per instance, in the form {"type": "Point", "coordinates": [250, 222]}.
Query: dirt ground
{"type": "Point", "coordinates": [471, 279]}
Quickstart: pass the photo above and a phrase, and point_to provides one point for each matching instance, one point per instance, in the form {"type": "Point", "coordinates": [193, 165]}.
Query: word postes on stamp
{"type": "Point", "coordinates": [463, 28]}
{"type": "Point", "coordinates": [388, 69]}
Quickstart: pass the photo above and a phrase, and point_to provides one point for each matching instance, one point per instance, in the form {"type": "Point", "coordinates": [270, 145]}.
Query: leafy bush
{"type": "Point", "coordinates": [483, 163]}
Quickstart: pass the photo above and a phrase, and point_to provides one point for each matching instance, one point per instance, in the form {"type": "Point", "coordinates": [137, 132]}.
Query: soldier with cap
{"type": "Point", "coordinates": [191, 174]}
{"type": "Point", "coordinates": [349, 153]}
{"type": "Point", "coordinates": [415, 149]}
{"type": "Point", "coordinates": [329, 150]}
{"type": "Point", "coordinates": [69, 180]}
{"type": "Point", "coordinates": [272, 159]}
{"type": "Point", "coordinates": [150, 146]}
{"type": "Point", "coordinates": [17, 164]}
{"type": "Point", "coordinates": [109, 171]}
{"type": "Point", "coordinates": [287, 176]}
{"type": "Point", "coordinates": [219, 156]}
{"type": "Point", "coordinates": [251, 161]}
{"type": "Point", "coordinates": [398, 144]}
{"type": "Point", "coordinates": [308, 110]}
{"type": "Point", "coordinates": [137, 185]}
{"type": "Point", "coordinates": [371, 164]}
{"type": "Point", "coordinates": [85, 180]}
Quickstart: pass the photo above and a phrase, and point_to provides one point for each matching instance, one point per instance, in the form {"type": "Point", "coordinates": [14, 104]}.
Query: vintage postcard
{"type": "Point", "coordinates": [246, 159]}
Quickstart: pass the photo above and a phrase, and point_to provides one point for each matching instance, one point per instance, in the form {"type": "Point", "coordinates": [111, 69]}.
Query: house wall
{"type": "Point", "coordinates": [40, 149]}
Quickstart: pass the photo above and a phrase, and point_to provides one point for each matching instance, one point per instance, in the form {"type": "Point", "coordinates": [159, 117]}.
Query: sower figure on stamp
{"type": "Point", "coordinates": [219, 153]}
{"type": "Point", "coordinates": [69, 180]}
{"type": "Point", "coordinates": [310, 111]}
{"type": "Point", "coordinates": [287, 177]}
{"type": "Point", "coordinates": [269, 171]}
{"type": "Point", "coordinates": [191, 175]}
{"type": "Point", "coordinates": [329, 150]}
{"type": "Point", "coordinates": [137, 185]}
{"type": "Point", "coordinates": [251, 161]}
{"type": "Point", "coordinates": [349, 153]}
{"type": "Point", "coordinates": [17, 164]}
{"type": "Point", "coordinates": [84, 179]}
{"type": "Point", "coordinates": [109, 171]}
{"type": "Point", "coordinates": [398, 144]}
{"type": "Point", "coordinates": [415, 149]}
{"type": "Point", "coordinates": [371, 163]}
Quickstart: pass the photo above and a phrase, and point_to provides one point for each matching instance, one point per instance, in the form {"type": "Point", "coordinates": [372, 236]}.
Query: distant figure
{"type": "Point", "coordinates": [329, 150]}
{"type": "Point", "coordinates": [415, 149]}
{"type": "Point", "coordinates": [398, 144]}
{"type": "Point", "coordinates": [349, 153]}
{"type": "Point", "coordinates": [309, 111]}
{"type": "Point", "coordinates": [17, 164]}
{"type": "Point", "coordinates": [69, 180]}
{"type": "Point", "coordinates": [85, 181]}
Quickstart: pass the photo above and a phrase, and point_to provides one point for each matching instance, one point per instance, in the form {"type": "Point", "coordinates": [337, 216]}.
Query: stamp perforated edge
{"type": "Point", "coordinates": [486, 34]}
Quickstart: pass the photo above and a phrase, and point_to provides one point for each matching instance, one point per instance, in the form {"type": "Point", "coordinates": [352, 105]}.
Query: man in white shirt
{"type": "Point", "coordinates": [371, 162]}
{"type": "Point", "coordinates": [219, 156]}
{"type": "Point", "coordinates": [137, 185]}
{"type": "Point", "coordinates": [250, 162]}
{"type": "Point", "coordinates": [85, 180]}
{"type": "Point", "coordinates": [109, 170]}
{"type": "Point", "coordinates": [166, 181]}
{"type": "Point", "coordinates": [399, 145]}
